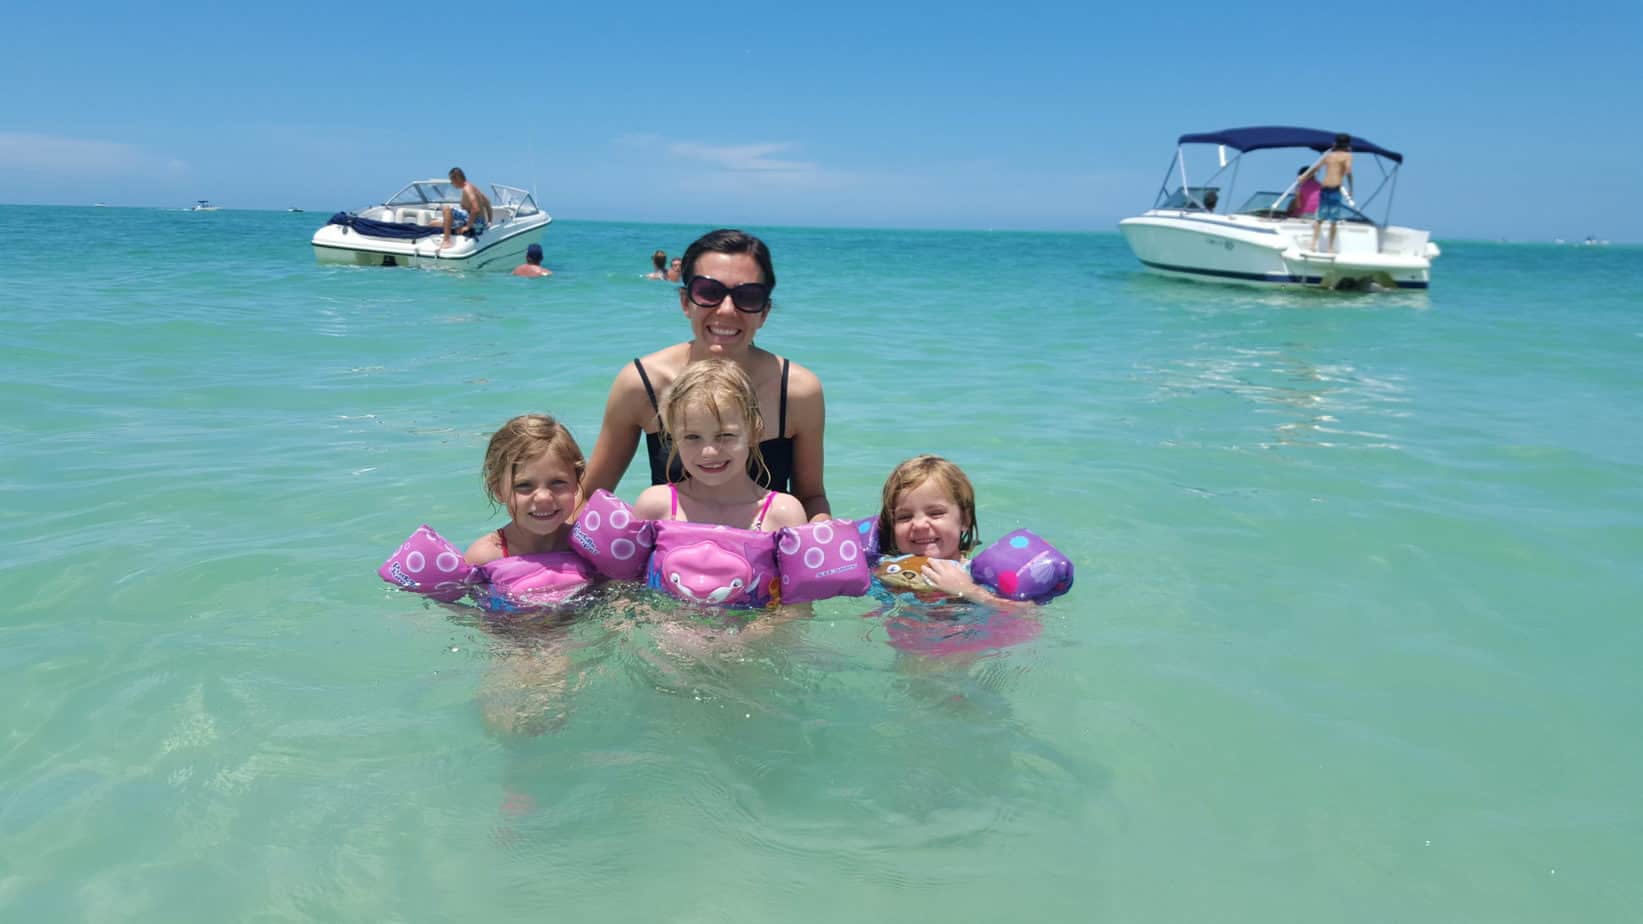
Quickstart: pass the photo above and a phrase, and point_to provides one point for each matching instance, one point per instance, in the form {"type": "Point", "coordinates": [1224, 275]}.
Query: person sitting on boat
{"type": "Point", "coordinates": [1306, 194]}
{"type": "Point", "coordinates": [533, 263]}
{"type": "Point", "coordinates": [1211, 199]}
{"type": "Point", "coordinates": [1337, 168]}
{"type": "Point", "coordinates": [472, 217]}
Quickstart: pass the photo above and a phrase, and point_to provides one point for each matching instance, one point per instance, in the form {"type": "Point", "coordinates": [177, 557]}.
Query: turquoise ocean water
{"type": "Point", "coordinates": [1354, 635]}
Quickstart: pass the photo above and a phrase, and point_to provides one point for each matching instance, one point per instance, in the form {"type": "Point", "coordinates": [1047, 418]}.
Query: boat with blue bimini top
{"type": "Point", "coordinates": [1267, 240]}
{"type": "Point", "coordinates": [406, 230]}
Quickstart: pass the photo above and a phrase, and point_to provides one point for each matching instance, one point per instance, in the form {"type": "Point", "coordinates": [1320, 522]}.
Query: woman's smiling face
{"type": "Point", "coordinates": [723, 329]}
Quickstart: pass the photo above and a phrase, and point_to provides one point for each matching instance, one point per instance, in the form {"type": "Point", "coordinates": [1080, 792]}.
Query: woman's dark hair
{"type": "Point", "coordinates": [728, 240]}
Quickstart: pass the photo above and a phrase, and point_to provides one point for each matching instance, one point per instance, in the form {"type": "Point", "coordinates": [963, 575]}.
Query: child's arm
{"type": "Point", "coordinates": [785, 510]}
{"type": "Point", "coordinates": [486, 549]}
{"type": "Point", "coordinates": [951, 577]}
{"type": "Point", "coordinates": [654, 503]}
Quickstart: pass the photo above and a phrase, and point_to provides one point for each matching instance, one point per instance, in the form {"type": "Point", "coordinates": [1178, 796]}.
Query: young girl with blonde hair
{"type": "Point", "coordinates": [712, 418]}
{"type": "Point", "coordinates": [929, 511]}
{"type": "Point", "coordinates": [533, 468]}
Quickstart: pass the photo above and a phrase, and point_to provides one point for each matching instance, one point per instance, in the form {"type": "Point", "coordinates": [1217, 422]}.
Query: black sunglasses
{"type": "Point", "coordinates": [707, 292]}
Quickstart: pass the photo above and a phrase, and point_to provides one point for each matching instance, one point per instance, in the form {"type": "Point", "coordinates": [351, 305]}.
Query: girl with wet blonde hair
{"type": "Point", "coordinates": [711, 415]}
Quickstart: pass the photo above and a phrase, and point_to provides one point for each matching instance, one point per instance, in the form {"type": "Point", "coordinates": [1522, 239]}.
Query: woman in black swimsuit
{"type": "Point", "coordinates": [727, 280]}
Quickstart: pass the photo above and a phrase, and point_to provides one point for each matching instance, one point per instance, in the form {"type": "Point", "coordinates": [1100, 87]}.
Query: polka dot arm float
{"type": "Point", "coordinates": [612, 538]}
{"type": "Point", "coordinates": [829, 559]}
{"type": "Point", "coordinates": [1021, 566]}
{"type": "Point", "coordinates": [427, 564]}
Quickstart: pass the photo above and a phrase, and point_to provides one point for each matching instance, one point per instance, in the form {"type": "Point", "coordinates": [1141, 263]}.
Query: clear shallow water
{"type": "Point", "coordinates": [1353, 637]}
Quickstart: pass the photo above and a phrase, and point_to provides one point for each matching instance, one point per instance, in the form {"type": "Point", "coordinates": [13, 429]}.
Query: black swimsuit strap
{"type": "Point", "coordinates": [649, 392]}
{"type": "Point", "coordinates": [781, 414]}
{"type": "Point", "coordinates": [781, 420]}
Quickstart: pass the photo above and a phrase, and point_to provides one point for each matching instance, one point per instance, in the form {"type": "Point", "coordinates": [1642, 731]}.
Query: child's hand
{"type": "Point", "coordinates": [952, 578]}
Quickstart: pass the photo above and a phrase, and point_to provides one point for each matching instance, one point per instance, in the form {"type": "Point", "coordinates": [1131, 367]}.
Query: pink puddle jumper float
{"type": "Point", "coordinates": [428, 564]}
{"type": "Point", "coordinates": [710, 564]}
{"type": "Point", "coordinates": [723, 565]}
{"type": "Point", "coordinates": [1019, 566]}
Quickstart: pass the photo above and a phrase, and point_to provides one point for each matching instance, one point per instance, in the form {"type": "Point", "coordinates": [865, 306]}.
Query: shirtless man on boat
{"type": "Point", "coordinates": [474, 214]}
{"type": "Point", "coordinates": [1337, 168]}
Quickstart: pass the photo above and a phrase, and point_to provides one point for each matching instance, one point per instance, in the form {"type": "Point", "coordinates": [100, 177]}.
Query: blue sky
{"type": "Point", "coordinates": [1516, 121]}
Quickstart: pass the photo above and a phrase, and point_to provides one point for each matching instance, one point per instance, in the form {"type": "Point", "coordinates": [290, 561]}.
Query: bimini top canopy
{"type": "Point", "coordinates": [1261, 137]}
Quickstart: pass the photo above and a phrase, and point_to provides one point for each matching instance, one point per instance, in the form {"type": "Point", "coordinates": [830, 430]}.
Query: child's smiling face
{"type": "Point", "coordinates": [542, 494]}
{"type": "Point", "coordinates": [713, 450]}
{"type": "Point", "coordinates": [928, 521]}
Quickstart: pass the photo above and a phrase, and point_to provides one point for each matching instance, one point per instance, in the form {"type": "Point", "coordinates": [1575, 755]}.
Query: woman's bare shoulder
{"type": "Point", "coordinates": [802, 383]}
{"type": "Point", "coordinates": [664, 363]}
{"type": "Point", "coordinates": [628, 389]}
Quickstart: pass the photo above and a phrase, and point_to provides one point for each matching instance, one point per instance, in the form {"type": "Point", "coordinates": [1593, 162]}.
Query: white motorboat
{"type": "Point", "coordinates": [203, 205]}
{"type": "Point", "coordinates": [1183, 235]}
{"type": "Point", "coordinates": [406, 230]}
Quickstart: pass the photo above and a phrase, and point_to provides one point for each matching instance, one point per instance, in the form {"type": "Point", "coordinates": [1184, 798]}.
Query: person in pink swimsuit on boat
{"type": "Point", "coordinates": [1307, 189]}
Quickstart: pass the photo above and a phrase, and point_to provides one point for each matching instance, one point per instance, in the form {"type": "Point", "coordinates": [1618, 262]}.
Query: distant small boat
{"type": "Point", "coordinates": [203, 205]}
{"type": "Point", "coordinates": [99, 205]}
{"type": "Point", "coordinates": [293, 209]}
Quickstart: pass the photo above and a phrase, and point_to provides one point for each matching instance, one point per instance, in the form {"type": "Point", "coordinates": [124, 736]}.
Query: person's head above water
{"type": "Point", "coordinates": [533, 254]}
{"type": "Point", "coordinates": [533, 468]}
{"type": "Point", "coordinates": [928, 508]}
{"type": "Point", "coordinates": [522, 440]}
{"type": "Point", "coordinates": [729, 241]}
{"type": "Point", "coordinates": [659, 259]}
{"type": "Point", "coordinates": [711, 412]}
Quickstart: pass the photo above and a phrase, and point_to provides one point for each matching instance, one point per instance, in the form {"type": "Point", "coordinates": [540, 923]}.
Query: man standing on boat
{"type": "Point", "coordinates": [474, 214]}
{"type": "Point", "coordinates": [1337, 168]}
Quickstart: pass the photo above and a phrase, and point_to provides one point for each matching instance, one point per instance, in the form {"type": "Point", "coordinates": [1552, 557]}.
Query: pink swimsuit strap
{"type": "Point", "coordinates": [673, 492]}
{"type": "Point", "coordinates": [758, 521]}
{"type": "Point", "coordinates": [502, 538]}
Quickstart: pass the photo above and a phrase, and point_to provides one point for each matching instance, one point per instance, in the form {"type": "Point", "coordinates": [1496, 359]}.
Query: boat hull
{"type": "Point", "coordinates": [1249, 250]}
{"type": "Point", "coordinates": [500, 247]}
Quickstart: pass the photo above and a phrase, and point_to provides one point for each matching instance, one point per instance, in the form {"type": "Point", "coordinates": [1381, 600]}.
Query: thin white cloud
{"type": "Point", "coordinates": [740, 157]}
{"type": "Point", "coordinates": [55, 154]}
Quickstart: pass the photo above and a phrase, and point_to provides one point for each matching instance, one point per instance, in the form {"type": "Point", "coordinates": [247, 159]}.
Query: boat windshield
{"type": "Point", "coordinates": [515, 198]}
{"type": "Point", "coordinates": [1193, 198]}
{"type": "Point", "coordinates": [426, 192]}
{"type": "Point", "coordinates": [1267, 204]}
